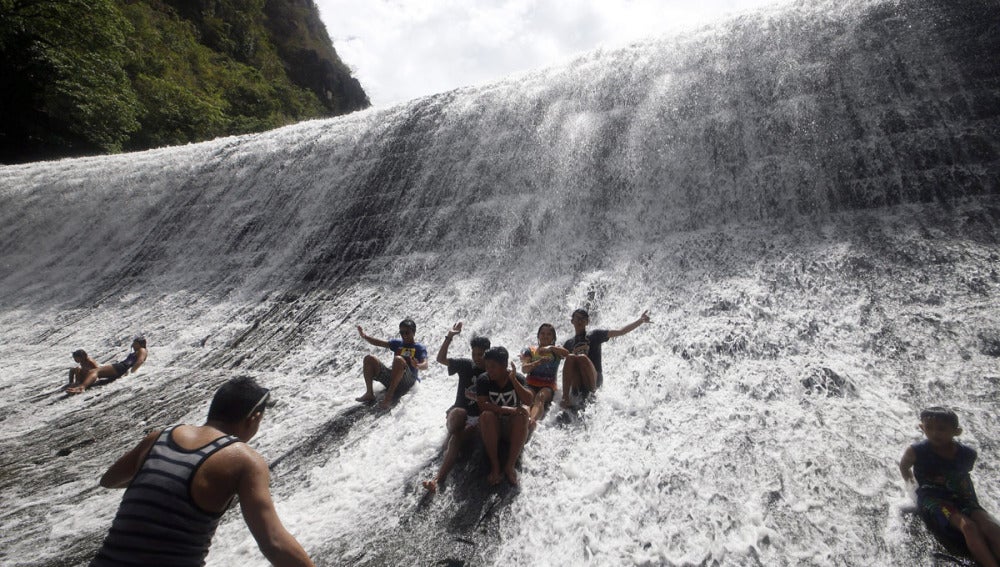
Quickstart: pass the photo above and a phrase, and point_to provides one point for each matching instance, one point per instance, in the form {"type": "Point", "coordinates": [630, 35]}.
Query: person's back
{"type": "Point", "coordinates": [170, 510]}
{"type": "Point", "coordinates": [181, 480]}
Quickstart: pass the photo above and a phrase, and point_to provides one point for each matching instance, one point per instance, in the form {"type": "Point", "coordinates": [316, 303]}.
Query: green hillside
{"type": "Point", "coordinates": [81, 77]}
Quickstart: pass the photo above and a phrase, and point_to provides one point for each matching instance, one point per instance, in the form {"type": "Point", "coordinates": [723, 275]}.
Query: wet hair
{"type": "Point", "coordinates": [141, 340]}
{"type": "Point", "coordinates": [939, 413]}
{"type": "Point", "coordinates": [547, 326]}
{"type": "Point", "coordinates": [235, 400]}
{"type": "Point", "coordinates": [497, 354]}
{"type": "Point", "coordinates": [480, 342]}
{"type": "Point", "coordinates": [582, 313]}
{"type": "Point", "coordinates": [79, 353]}
{"type": "Point", "coordinates": [408, 324]}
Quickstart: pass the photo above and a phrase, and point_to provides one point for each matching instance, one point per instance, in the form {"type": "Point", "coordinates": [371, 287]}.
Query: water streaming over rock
{"type": "Point", "coordinates": [805, 198]}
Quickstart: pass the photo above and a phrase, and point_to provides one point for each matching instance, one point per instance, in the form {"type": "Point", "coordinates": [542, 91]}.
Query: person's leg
{"type": "Point", "coordinates": [399, 368]}
{"type": "Point", "coordinates": [974, 538]}
{"type": "Point", "coordinates": [371, 368]}
{"type": "Point", "coordinates": [571, 380]}
{"type": "Point", "coordinates": [92, 376]}
{"type": "Point", "coordinates": [518, 434]}
{"type": "Point", "coordinates": [456, 427]}
{"type": "Point", "coordinates": [588, 374]}
{"type": "Point", "coordinates": [990, 529]}
{"type": "Point", "coordinates": [489, 428]}
{"type": "Point", "coordinates": [542, 398]}
{"type": "Point", "coordinates": [74, 375]}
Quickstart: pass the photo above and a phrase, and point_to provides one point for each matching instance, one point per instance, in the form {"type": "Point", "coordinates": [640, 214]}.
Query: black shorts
{"type": "Point", "coordinates": [120, 368]}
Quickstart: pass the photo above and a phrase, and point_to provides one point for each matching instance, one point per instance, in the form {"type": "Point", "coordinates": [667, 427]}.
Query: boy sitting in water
{"type": "Point", "coordinates": [946, 498]}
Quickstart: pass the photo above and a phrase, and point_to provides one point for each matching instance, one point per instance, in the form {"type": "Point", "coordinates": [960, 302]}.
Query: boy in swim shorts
{"type": "Point", "coordinates": [946, 498]}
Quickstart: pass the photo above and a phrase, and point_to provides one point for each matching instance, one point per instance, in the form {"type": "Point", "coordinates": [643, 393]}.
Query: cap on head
{"type": "Point", "coordinates": [235, 400]}
{"type": "Point", "coordinates": [480, 342]}
{"type": "Point", "coordinates": [940, 413]}
{"type": "Point", "coordinates": [497, 354]}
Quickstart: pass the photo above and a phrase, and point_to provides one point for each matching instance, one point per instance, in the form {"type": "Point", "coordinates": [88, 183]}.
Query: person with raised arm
{"type": "Point", "coordinates": [582, 373]}
{"type": "Point", "coordinates": [503, 412]}
{"type": "Point", "coordinates": [463, 416]}
{"type": "Point", "coordinates": [408, 359]}
{"type": "Point", "coordinates": [179, 481]}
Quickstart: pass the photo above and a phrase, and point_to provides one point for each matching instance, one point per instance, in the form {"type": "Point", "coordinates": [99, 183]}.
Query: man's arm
{"type": "Point", "coordinates": [906, 465]}
{"type": "Point", "coordinates": [371, 340]}
{"type": "Point", "coordinates": [274, 541]}
{"type": "Point", "coordinates": [139, 359]}
{"type": "Point", "coordinates": [525, 395]}
{"type": "Point", "coordinates": [442, 356]}
{"type": "Point", "coordinates": [486, 405]}
{"type": "Point", "coordinates": [644, 318]}
{"type": "Point", "coordinates": [121, 473]}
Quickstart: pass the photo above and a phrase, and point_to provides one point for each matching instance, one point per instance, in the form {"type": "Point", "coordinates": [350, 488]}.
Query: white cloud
{"type": "Point", "coordinates": [403, 49]}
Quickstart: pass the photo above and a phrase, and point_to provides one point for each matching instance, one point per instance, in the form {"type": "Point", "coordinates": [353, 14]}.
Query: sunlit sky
{"type": "Point", "coordinates": [403, 49]}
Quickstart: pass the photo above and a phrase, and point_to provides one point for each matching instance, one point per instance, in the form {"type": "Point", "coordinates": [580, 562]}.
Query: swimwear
{"type": "Point", "coordinates": [944, 486]}
{"type": "Point", "coordinates": [158, 523]}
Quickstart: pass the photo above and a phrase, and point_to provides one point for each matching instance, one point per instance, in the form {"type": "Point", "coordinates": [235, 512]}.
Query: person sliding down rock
{"type": "Point", "coordinates": [409, 358]}
{"type": "Point", "coordinates": [463, 415]}
{"type": "Point", "coordinates": [503, 412]}
{"type": "Point", "coordinates": [131, 363]}
{"type": "Point", "coordinates": [582, 373]}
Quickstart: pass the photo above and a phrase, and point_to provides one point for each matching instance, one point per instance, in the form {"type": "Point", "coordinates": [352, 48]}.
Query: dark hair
{"type": "Point", "coordinates": [547, 325]}
{"type": "Point", "coordinates": [480, 342]}
{"type": "Point", "coordinates": [408, 324]}
{"type": "Point", "coordinates": [938, 412]}
{"type": "Point", "coordinates": [497, 354]}
{"type": "Point", "coordinates": [235, 400]}
{"type": "Point", "coordinates": [141, 340]}
{"type": "Point", "coordinates": [582, 313]}
{"type": "Point", "coordinates": [79, 353]}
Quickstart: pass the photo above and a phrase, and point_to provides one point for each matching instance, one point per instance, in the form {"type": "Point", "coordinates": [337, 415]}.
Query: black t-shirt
{"type": "Point", "coordinates": [594, 338]}
{"type": "Point", "coordinates": [505, 396]}
{"type": "Point", "coordinates": [467, 372]}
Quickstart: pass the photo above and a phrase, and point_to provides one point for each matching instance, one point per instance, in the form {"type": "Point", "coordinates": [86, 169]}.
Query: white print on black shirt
{"type": "Point", "coordinates": [508, 398]}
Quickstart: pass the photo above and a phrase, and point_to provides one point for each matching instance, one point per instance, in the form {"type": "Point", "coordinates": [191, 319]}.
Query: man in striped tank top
{"type": "Point", "coordinates": [179, 481]}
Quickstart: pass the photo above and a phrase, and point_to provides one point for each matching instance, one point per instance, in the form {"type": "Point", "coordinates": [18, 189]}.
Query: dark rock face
{"type": "Point", "coordinates": [310, 58]}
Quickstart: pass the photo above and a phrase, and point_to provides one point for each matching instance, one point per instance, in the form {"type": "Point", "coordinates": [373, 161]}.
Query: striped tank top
{"type": "Point", "coordinates": [158, 523]}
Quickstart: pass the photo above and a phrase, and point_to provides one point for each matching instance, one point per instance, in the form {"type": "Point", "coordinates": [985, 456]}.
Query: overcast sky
{"type": "Point", "coordinates": [403, 49]}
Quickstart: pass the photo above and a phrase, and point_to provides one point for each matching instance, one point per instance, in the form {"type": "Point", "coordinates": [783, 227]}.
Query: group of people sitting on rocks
{"type": "Point", "coordinates": [493, 400]}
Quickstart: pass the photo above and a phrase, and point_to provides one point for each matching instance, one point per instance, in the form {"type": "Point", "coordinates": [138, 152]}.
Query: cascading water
{"type": "Point", "coordinates": [805, 199]}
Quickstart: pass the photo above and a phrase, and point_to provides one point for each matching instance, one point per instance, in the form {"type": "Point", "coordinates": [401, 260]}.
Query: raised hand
{"type": "Point", "coordinates": [456, 330]}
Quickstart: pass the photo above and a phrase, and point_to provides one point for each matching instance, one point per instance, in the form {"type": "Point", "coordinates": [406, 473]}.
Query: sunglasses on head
{"type": "Point", "coordinates": [259, 406]}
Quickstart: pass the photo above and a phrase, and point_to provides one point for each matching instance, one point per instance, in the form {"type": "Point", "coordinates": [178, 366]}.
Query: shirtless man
{"type": "Point", "coordinates": [85, 365]}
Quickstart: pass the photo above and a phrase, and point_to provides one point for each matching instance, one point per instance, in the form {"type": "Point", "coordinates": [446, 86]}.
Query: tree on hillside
{"type": "Point", "coordinates": [62, 79]}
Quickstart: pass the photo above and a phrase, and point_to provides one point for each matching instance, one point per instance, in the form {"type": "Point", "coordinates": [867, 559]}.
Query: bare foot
{"type": "Point", "coordinates": [386, 403]}
{"type": "Point", "coordinates": [532, 424]}
{"type": "Point", "coordinates": [494, 478]}
{"type": "Point", "coordinates": [366, 398]}
{"type": "Point", "coordinates": [565, 403]}
{"type": "Point", "coordinates": [74, 390]}
{"type": "Point", "coordinates": [431, 485]}
{"type": "Point", "coordinates": [511, 475]}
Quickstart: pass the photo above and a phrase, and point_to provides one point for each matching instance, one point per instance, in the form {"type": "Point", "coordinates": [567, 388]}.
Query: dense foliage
{"type": "Point", "coordinates": [94, 76]}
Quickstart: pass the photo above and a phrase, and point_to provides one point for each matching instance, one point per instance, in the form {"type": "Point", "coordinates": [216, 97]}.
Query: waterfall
{"type": "Point", "coordinates": [805, 198]}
